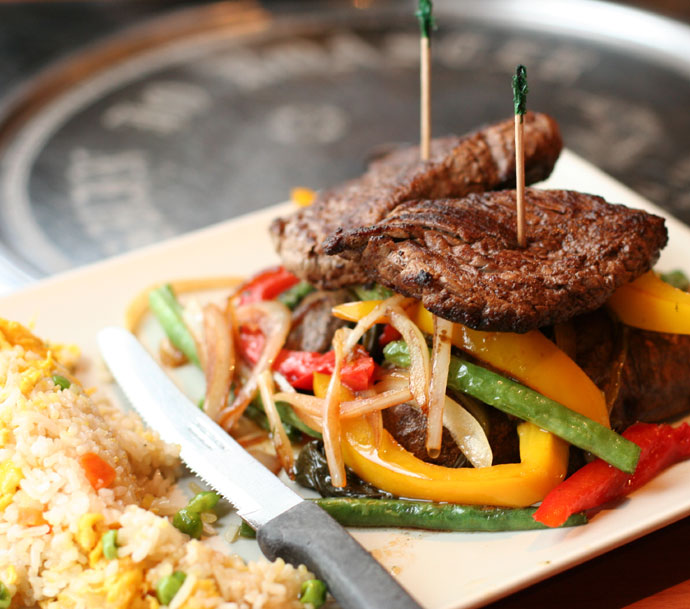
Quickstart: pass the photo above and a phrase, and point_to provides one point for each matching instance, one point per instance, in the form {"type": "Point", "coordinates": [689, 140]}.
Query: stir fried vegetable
{"type": "Point", "coordinates": [598, 483]}
{"type": "Point", "coordinates": [530, 358]}
{"type": "Point", "coordinates": [652, 304]}
{"type": "Point", "coordinates": [267, 285]}
{"type": "Point", "coordinates": [433, 516]}
{"type": "Point", "coordinates": [168, 311]}
{"type": "Point", "coordinates": [377, 458]}
{"type": "Point", "coordinates": [312, 472]}
{"type": "Point", "coordinates": [296, 294]}
{"type": "Point", "coordinates": [526, 404]}
{"type": "Point", "coordinates": [678, 279]}
{"type": "Point", "coordinates": [556, 398]}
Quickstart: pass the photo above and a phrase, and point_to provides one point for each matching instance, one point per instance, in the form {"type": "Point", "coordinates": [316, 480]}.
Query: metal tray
{"type": "Point", "coordinates": [215, 110]}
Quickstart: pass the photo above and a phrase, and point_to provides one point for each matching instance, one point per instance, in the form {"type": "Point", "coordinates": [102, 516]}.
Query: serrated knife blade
{"type": "Point", "coordinates": [287, 526]}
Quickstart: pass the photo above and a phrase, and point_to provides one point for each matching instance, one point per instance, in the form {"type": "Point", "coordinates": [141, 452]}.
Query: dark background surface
{"type": "Point", "coordinates": [619, 110]}
{"type": "Point", "coordinates": [33, 34]}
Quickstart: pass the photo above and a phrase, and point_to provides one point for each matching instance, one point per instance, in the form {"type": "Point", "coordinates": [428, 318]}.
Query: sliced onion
{"type": "Point", "coordinates": [375, 422]}
{"type": "Point", "coordinates": [468, 434]}
{"type": "Point", "coordinates": [312, 407]}
{"type": "Point", "coordinates": [271, 462]}
{"type": "Point", "coordinates": [302, 402]}
{"type": "Point", "coordinates": [273, 319]}
{"type": "Point", "coordinates": [331, 414]}
{"type": "Point", "coordinates": [376, 403]}
{"type": "Point", "coordinates": [371, 319]}
{"type": "Point", "coordinates": [170, 355]}
{"type": "Point", "coordinates": [282, 383]}
{"type": "Point", "coordinates": [281, 442]}
{"type": "Point", "coordinates": [440, 361]}
{"type": "Point", "coordinates": [219, 359]}
{"type": "Point", "coordinates": [420, 373]}
{"type": "Point", "coordinates": [193, 318]}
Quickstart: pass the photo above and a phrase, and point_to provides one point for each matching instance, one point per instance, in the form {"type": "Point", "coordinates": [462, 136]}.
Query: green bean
{"type": "Point", "coordinates": [678, 279]}
{"type": "Point", "coordinates": [109, 544]}
{"type": "Point", "coordinates": [433, 516]}
{"type": "Point", "coordinates": [204, 501]}
{"type": "Point", "coordinates": [402, 513]}
{"type": "Point", "coordinates": [188, 522]}
{"type": "Point", "coordinates": [313, 591]}
{"type": "Point", "coordinates": [294, 427]}
{"type": "Point", "coordinates": [167, 587]}
{"type": "Point", "coordinates": [525, 403]}
{"type": "Point", "coordinates": [294, 295]}
{"type": "Point", "coordinates": [5, 596]}
{"type": "Point", "coordinates": [168, 311]}
{"type": "Point", "coordinates": [372, 291]}
{"type": "Point", "coordinates": [246, 530]}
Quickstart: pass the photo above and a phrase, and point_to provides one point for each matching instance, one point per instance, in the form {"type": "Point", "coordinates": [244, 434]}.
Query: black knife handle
{"type": "Point", "coordinates": [306, 534]}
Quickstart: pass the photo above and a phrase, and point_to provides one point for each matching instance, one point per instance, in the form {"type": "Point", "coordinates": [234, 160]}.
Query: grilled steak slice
{"type": "Point", "coordinates": [484, 160]}
{"type": "Point", "coordinates": [643, 374]}
{"type": "Point", "coordinates": [313, 325]}
{"type": "Point", "coordinates": [407, 425]}
{"type": "Point", "coordinates": [461, 258]}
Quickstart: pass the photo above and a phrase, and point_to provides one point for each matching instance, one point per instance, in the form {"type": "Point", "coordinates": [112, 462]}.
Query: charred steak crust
{"type": "Point", "coordinates": [483, 160]}
{"type": "Point", "coordinates": [460, 256]}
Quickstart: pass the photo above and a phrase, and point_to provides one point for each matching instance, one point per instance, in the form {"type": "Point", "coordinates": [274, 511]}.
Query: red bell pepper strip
{"type": "Point", "coordinates": [298, 367]}
{"type": "Point", "coordinates": [267, 285]}
{"type": "Point", "coordinates": [388, 335]}
{"type": "Point", "coordinates": [598, 483]}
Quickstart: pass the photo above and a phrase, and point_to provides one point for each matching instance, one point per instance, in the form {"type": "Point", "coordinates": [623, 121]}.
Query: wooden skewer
{"type": "Point", "coordinates": [520, 90]}
{"type": "Point", "coordinates": [426, 24]}
{"type": "Point", "coordinates": [425, 86]}
{"type": "Point", "coordinates": [520, 179]}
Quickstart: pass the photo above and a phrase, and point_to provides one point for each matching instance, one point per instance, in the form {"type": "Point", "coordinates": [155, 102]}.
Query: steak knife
{"type": "Point", "coordinates": [287, 526]}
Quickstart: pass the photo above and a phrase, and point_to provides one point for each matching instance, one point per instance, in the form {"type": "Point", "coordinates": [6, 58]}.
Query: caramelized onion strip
{"type": "Point", "coordinates": [273, 319]}
{"type": "Point", "coordinates": [420, 368]}
{"type": "Point", "coordinates": [311, 406]}
{"type": "Point", "coordinates": [375, 316]}
{"type": "Point", "coordinates": [281, 442]}
{"type": "Point", "coordinates": [219, 359]}
{"type": "Point", "coordinates": [440, 361]}
{"type": "Point", "coordinates": [331, 414]}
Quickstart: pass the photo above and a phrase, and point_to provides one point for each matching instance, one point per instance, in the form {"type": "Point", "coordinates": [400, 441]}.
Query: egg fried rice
{"type": "Point", "coordinates": [55, 508]}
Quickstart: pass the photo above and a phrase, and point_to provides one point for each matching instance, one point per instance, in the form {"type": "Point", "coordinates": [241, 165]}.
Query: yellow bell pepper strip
{"type": "Point", "coordinates": [531, 358]}
{"type": "Point", "coordinates": [650, 303]}
{"type": "Point", "coordinates": [543, 456]}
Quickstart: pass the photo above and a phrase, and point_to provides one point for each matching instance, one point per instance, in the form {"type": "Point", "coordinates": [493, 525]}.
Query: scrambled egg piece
{"type": "Point", "coordinates": [89, 531]}
{"type": "Point", "coordinates": [13, 333]}
{"type": "Point", "coordinates": [10, 477]}
{"type": "Point", "coordinates": [122, 588]}
{"type": "Point", "coordinates": [203, 589]}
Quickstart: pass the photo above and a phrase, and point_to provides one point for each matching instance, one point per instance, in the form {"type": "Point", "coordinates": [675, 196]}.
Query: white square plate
{"type": "Point", "coordinates": [442, 570]}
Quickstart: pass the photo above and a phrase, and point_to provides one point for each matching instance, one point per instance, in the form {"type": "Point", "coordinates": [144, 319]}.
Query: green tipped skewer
{"type": "Point", "coordinates": [520, 90]}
